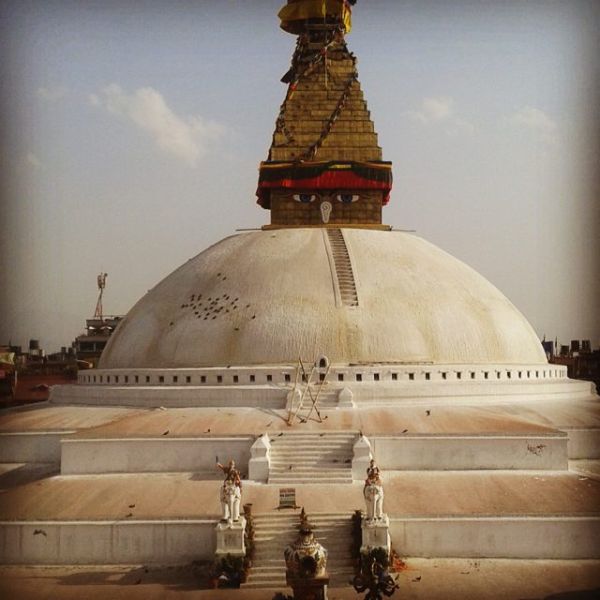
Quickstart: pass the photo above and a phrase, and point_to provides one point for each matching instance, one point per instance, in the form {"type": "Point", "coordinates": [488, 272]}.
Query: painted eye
{"type": "Point", "coordinates": [347, 198]}
{"type": "Point", "coordinates": [305, 198]}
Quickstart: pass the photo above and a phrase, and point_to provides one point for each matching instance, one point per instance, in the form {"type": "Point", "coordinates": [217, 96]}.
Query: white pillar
{"type": "Point", "coordinates": [362, 457]}
{"type": "Point", "coordinates": [260, 459]}
{"type": "Point", "coordinates": [346, 398]}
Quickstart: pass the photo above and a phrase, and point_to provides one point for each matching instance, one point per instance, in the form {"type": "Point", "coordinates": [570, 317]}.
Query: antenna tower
{"type": "Point", "coordinates": [101, 286]}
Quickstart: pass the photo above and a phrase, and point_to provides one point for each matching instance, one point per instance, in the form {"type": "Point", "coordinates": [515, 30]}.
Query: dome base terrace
{"type": "Point", "coordinates": [341, 386]}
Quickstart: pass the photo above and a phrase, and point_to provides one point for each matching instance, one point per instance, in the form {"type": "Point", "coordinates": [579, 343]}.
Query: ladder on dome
{"type": "Point", "coordinates": [303, 385]}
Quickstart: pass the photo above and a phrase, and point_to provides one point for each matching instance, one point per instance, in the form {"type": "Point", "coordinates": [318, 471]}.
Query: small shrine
{"type": "Point", "coordinates": [306, 564]}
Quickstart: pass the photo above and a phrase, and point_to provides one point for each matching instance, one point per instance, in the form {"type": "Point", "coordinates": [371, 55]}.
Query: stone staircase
{"type": "Point", "coordinates": [312, 457]}
{"type": "Point", "coordinates": [328, 398]}
{"type": "Point", "coordinates": [274, 531]}
{"type": "Point", "coordinates": [343, 267]}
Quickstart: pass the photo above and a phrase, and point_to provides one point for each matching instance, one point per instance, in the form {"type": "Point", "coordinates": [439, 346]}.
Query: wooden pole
{"type": "Point", "coordinates": [289, 419]}
{"type": "Point", "coordinates": [304, 392]}
{"type": "Point", "coordinates": [314, 404]}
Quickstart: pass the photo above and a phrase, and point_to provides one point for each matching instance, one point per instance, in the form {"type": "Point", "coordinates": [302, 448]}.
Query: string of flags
{"type": "Point", "coordinates": [312, 151]}
{"type": "Point", "coordinates": [294, 76]}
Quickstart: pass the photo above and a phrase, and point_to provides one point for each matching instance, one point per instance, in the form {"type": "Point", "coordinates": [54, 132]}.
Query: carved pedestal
{"type": "Point", "coordinates": [308, 589]}
{"type": "Point", "coordinates": [376, 534]}
{"type": "Point", "coordinates": [230, 538]}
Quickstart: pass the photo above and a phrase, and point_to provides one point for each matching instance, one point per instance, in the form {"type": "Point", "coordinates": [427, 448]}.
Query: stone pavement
{"type": "Point", "coordinates": [119, 422]}
{"type": "Point", "coordinates": [182, 495]}
{"type": "Point", "coordinates": [423, 579]}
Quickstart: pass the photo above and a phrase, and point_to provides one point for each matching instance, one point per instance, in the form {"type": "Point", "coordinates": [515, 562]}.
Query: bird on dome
{"type": "Point", "coordinates": [296, 14]}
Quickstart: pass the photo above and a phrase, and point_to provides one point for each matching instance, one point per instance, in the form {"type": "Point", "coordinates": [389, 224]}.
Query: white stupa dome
{"type": "Point", "coordinates": [269, 297]}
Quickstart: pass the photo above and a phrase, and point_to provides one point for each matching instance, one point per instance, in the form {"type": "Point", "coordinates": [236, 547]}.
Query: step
{"type": "Point", "coordinates": [312, 445]}
{"type": "Point", "coordinates": [295, 516]}
{"type": "Point", "coordinates": [313, 449]}
{"type": "Point", "coordinates": [316, 434]}
{"type": "Point", "coordinates": [333, 565]}
{"type": "Point", "coordinates": [316, 453]}
{"type": "Point", "coordinates": [298, 481]}
{"type": "Point", "coordinates": [276, 532]}
{"type": "Point", "coordinates": [313, 453]}
{"type": "Point", "coordinates": [275, 578]}
{"type": "Point", "coordinates": [308, 468]}
{"type": "Point", "coordinates": [266, 554]}
{"type": "Point", "coordinates": [337, 474]}
{"type": "Point", "coordinates": [285, 458]}
{"type": "Point", "coordinates": [316, 439]}
{"type": "Point", "coordinates": [264, 572]}
{"type": "Point", "coordinates": [311, 470]}
{"type": "Point", "coordinates": [279, 564]}
{"type": "Point", "coordinates": [275, 583]}
{"type": "Point", "coordinates": [275, 529]}
{"type": "Point", "coordinates": [329, 440]}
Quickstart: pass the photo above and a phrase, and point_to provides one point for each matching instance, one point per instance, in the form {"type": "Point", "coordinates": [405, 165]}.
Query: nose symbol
{"type": "Point", "coordinates": [325, 211]}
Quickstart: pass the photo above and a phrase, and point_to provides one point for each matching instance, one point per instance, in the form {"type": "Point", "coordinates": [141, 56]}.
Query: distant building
{"type": "Point", "coordinates": [98, 329]}
{"type": "Point", "coordinates": [89, 345]}
{"type": "Point", "coordinates": [8, 371]}
{"type": "Point", "coordinates": [581, 361]}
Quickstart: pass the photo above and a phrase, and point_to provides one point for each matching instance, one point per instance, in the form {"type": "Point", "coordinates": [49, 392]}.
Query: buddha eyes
{"type": "Point", "coordinates": [342, 197]}
{"type": "Point", "coordinates": [305, 198]}
{"type": "Point", "coordinates": [347, 198]}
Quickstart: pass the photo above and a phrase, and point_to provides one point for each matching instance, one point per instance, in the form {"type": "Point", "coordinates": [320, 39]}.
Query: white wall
{"type": "Point", "coordinates": [104, 542]}
{"type": "Point", "coordinates": [152, 455]}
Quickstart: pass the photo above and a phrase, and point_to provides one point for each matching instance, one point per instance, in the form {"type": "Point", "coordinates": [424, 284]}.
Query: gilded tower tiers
{"type": "Point", "coordinates": [325, 166]}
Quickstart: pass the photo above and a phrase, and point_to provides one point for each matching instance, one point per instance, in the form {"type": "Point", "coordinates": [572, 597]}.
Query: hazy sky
{"type": "Point", "coordinates": [131, 134]}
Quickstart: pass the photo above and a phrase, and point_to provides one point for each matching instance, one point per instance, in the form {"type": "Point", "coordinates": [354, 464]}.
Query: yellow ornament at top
{"type": "Point", "coordinates": [296, 14]}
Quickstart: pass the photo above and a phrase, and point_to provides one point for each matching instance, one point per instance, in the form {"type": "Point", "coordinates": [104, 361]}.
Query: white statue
{"type": "Point", "coordinates": [231, 493]}
{"type": "Point", "coordinates": [373, 492]}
